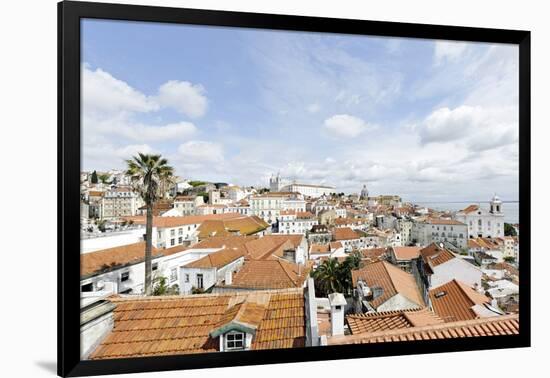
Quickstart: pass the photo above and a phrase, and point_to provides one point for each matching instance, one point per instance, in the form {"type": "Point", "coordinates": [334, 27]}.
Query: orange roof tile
{"type": "Point", "coordinates": [444, 221]}
{"type": "Point", "coordinates": [344, 233]}
{"type": "Point", "coordinates": [434, 255]}
{"type": "Point", "coordinates": [492, 326]}
{"type": "Point", "coordinates": [270, 274]}
{"type": "Point", "coordinates": [453, 301]}
{"type": "Point", "coordinates": [317, 249]}
{"type": "Point", "coordinates": [406, 253]}
{"type": "Point", "coordinates": [382, 321]}
{"type": "Point", "coordinates": [470, 209]}
{"type": "Point", "coordinates": [391, 279]}
{"type": "Point", "coordinates": [108, 259]}
{"type": "Point", "coordinates": [373, 254]}
{"type": "Point", "coordinates": [217, 259]}
{"type": "Point", "coordinates": [154, 326]}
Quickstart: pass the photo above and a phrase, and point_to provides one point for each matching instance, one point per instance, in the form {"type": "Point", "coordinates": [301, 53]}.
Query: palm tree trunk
{"type": "Point", "coordinates": [148, 249]}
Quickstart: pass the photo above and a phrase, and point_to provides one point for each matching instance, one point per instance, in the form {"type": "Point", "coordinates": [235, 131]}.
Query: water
{"type": "Point", "coordinates": [510, 209]}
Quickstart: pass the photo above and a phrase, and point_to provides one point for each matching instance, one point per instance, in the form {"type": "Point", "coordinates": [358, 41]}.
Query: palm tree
{"type": "Point", "coordinates": [327, 277]}
{"type": "Point", "coordinates": [149, 174]}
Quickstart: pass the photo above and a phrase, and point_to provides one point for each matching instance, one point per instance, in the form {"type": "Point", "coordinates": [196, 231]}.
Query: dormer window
{"type": "Point", "coordinates": [235, 341]}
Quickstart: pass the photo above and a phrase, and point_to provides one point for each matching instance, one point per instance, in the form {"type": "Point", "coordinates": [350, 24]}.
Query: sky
{"type": "Point", "coordinates": [428, 120]}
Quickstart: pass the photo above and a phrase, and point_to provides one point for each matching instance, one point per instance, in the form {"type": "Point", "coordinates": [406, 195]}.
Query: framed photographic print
{"type": "Point", "coordinates": [239, 188]}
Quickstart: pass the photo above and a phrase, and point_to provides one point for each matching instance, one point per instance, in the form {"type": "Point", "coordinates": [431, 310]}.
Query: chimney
{"type": "Point", "coordinates": [228, 277]}
{"type": "Point", "coordinates": [337, 306]}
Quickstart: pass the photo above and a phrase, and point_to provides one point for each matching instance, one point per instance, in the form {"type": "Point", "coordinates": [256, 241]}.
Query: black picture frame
{"type": "Point", "coordinates": [69, 16]}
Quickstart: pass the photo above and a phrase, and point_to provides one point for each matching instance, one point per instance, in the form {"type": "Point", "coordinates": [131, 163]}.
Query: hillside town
{"type": "Point", "coordinates": [291, 264]}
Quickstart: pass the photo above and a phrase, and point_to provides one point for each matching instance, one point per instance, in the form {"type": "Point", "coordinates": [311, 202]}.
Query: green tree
{"type": "Point", "coordinates": [161, 288]}
{"type": "Point", "coordinates": [509, 230]}
{"type": "Point", "coordinates": [327, 277]}
{"type": "Point", "coordinates": [104, 178]}
{"type": "Point", "coordinates": [352, 262]}
{"type": "Point", "coordinates": [94, 177]}
{"type": "Point", "coordinates": [148, 174]}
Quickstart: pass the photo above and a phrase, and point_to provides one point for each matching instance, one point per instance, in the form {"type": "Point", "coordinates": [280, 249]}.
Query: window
{"type": "Point", "coordinates": [180, 231]}
{"type": "Point", "coordinates": [479, 222]}
{"type": "Point", "coordinates": [234, 340]}
{"type": "Point", "coordinates": [200, 281]}
{"type": "Point", "coordinates": [172, 242]}
{"type": "Point", "coordinates": [180, 240]}
{"type": "Point", "coordinates": [87, 288]}
{"type": "Point", "coordinates": [155, 266]}
{"type": "Point", "coordinates": [173, 274]}
{"type": "Point", "coordinates": [125, 276]}
{"type": "Point", "coordinates": [172, 232]}
{"type": "Point", "coordinates": [187, 278]}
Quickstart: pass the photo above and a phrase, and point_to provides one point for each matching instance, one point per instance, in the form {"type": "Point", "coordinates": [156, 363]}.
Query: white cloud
{"type": "Point", "coordinates": [346, 126]}
{"type": "Point", "coordinates": [185, 97]}
{"type": "Point", "coordinates": [103, 94]}
{"type": "Point", "coordinates": [448, 51]}
{"type": "Point", "coordinates": [196, 151]}
{"type": "Point", "coordinates": [477, 128]}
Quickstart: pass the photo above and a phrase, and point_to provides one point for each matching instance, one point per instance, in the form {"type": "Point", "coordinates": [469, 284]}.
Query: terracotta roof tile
{"type": "Point", "coordinates": [382, 321]}
{"type": "Point", "coordinates": [391, 279]}
{"type": "Point", "coordinates": [434, 255]}
{"type": "Point", "coordinates": [107, 259]}
{"type": "Point", "coordinates": [344, 233]}
{"type": "Point", "coordinates": [218, 259]}
{"type": "Point", "coordinates": [316, 249]}
{"type": "Point", "coordinates": [492, 326]}
{"type": "Point", "coordinates": [454, 300]}
{"type": "Point", "coordinates": [270, 274]}
{"type": "Point", "coordinates": [406, 253]}
{"type": "Point", "coordinates": [153, 326]}
{"type": "Point", "coordinates": [444, 221]}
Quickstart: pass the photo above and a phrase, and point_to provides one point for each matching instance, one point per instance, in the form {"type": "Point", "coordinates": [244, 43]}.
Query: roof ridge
{"type": "Point", "coordinates": [432, 327]}
{"type": "Point", "coordinates": [286, 272]}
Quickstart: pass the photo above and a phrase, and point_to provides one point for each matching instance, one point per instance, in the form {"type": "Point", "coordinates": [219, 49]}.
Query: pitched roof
{"type": "Point", "coordinates": [406, 253]}
{"type": "Point", "coordinates": [222, 227]}
{"type": "Point", "coordinates": [387, 320]}
{"type": "Point", "coordinates": [317, 249]}
{"type": "Point", "coordinates": [111, 258]}
{"type": "Point", "coordinates": [154, 326]}
{"type": "Point", "coordinates": [493, 326]}
{"type": "Point", "coordinates": [229, 241]}
{"type": "Point", "coordinates": [470, 209]}
{"type": "Point", "coordinates": [454, 300]}
{"type": "Point", "coordinates": [344, 233]}
{"type": "Point", "coordinates": [444, 221]}
{"type": "Point", "coordinates": [373, 254]}
{"type": "Point", "coordinates": [182, 221]}
{"type": "Point", "coordinates": [434, 255]}
{"type": "Point", "coordinates": [270, 274]}
{"type": "Point", "coordinates": [217, 259]}
{"type": "Point", "coordinates": [391, 279]}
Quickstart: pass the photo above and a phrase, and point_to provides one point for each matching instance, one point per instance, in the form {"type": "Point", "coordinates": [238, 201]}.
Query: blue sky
{"type": "Point", "coordinates": [428, 120]}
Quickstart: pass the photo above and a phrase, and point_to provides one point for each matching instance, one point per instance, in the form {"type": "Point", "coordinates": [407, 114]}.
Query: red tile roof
{"type": "Point", "coordinates": [388, 320]}
{"type": "Point", "coordinates": [111, 258]}
{"type": "Point", "coordinates": [453, 301]}
{"type": "Point", "coordinates": [344, 233]}
{"type": "Point", "coordinates": [154, 326]}
{"type": "Point", "coordinates": [391, 279]}
{"type": "Point", "coordinates": [492, 326]}
{"type": "Point", "coordinates": [406, 253]}
{"type": "Point", "coordinates": [434, 255]}
{"type": "Point", "coordinates": [270, 274]}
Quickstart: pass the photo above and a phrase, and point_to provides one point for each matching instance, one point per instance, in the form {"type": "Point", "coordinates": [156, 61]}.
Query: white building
{"type": "Point", "coordinates": [187, 205]}
{"type": "Point", "coordinates": [277, 184]}
{"type": "Point", "coordinates": [439, 266]}
{"type": "Point", "coordinates": [482, 222]}
{"type": "Point", "coordinates": [268, 206]}
{"type": "Point", "coordinates": [120, 202]}
{"type": "Point", "coordinates": [440, 230]}
{"type": "Point", "coordinates": [296, 222]}
{"type": "Point", "coordinates": [122, 269]}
